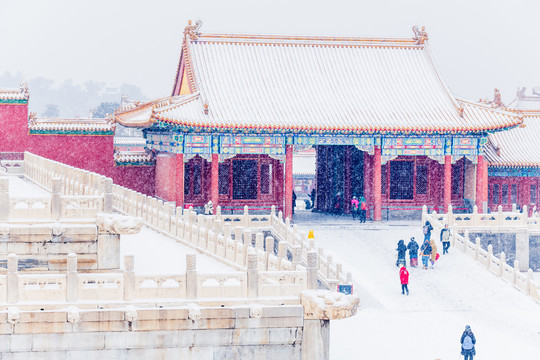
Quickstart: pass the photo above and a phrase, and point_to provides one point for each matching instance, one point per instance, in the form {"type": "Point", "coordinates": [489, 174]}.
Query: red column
{"type": "Point", "coordinates": [288, 181]}
{"type": "Point", "coordinates": [447, 181]}
{"type": "Point", "coordinates": [368, 181]}
{"type": "Point", "coordinates": [486, 183]}
{"type": "Point", "coordinates": [480, 182]}
{"type": "Point", "coordinates": [377, 215]}
{"type": "Point", "coordinates": [347, 182]}
{"type": "Point", "coordinates": [179, 180]}
{"type": "Point", "coordinates": [214, 188]}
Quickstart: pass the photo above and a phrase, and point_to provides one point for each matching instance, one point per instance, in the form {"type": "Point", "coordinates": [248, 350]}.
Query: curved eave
{"type": "Point", "coordinates": [140, 124]}
{"type": "Point", "coordinates": [512, 165]}
{"type": "Point", "coordinates": [189, 127]}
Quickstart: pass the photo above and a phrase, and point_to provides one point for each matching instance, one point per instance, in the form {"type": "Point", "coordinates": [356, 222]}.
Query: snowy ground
{"type": "Point", "coordinates": [22, 187]}
{"type": "Point", "coordinates": [158, 254]}
{"type": "Point", "coordinates": [428, 323]}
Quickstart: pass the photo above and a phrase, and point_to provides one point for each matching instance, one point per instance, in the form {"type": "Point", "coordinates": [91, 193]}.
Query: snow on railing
{"type": "Point", "coordinates": [496, 265]}
{"type": "Point", "coordinates": [512, 218]}
{"type": "Point", "coordinates": [72, 286]}
{"type": "Point", "coordinates": [229, 237]}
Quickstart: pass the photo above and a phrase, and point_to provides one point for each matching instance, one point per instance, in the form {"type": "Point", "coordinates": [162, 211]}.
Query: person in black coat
{"type": "Point", "coordinates": [401, 249]}
{"type": "Point", "coordinates": [426, 229]}
{"type": "Point", "coordinates": [412, 246]}
{"type": "Point", "coordinates": [467, 343]}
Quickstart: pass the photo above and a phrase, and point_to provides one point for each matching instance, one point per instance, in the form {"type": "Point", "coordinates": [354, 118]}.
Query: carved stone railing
{"type": "Point", "coordinates": [38, 208]}
{"type": "Point", "coordinates": [81, 206]}
{"type": "Point", "coordinates": [72, 286]}
{"type": "Point", "coordinates": [495, 219]}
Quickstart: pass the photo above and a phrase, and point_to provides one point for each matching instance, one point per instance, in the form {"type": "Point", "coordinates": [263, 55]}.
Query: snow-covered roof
{"type": "Point", "coordinates": [140, 114]}
{"type": "Point", "coordinates": [69, 126]}
{"type": "Point", "coordinates": [19, 95]}
{"type": "Point", "coordinates": [129, 141]}
{"type": "Point", "coordinates": [516, 147]}
{"type": "Point", "coordinates": [314, 84]}
{"type": "Point", "coordinates": [304, 165]}
{"type": "Point", "coordinates": [526, 102]}
{"type": "Point", "coordinates": [133, 158]}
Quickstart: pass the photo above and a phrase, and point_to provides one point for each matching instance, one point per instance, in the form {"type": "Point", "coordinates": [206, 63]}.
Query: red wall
{"type": "Point", "coordinates": [165, 176]}
{"type": "Point", "coordinates": [13, 127]}
{"type": "Point", "coordinates": [92, 153]}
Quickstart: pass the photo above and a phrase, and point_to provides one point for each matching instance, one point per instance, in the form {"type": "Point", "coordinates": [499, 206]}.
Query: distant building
{"type": "Point", "coordinates": [304, 169]}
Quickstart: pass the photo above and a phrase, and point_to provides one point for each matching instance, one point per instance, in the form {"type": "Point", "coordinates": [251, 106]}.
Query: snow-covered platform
{"type": "Point", "coordinates": [156, 253]}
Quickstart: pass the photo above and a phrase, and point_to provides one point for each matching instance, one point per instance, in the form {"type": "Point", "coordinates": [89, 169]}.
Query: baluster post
{"type": "Point", "coordinates": [4, 199]}
{"type": "Point", "coordinates": [191, 275]}
{"type": "Point", "coordinates": [71, 278]}
{"type": "Point", "coordinates": [252, 274]}
{"type": "Point", "coordinates": [56, 199]}
{"type": "Point", "coordinates": [12, 279]}
{"type": "Point", "coordinates": [312, 268]}
{"type": "Point", "coordinates": [129, 277]}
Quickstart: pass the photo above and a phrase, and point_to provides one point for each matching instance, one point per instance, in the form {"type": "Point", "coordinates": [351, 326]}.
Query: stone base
{"type": "Point", "coordinates": [151, 333]}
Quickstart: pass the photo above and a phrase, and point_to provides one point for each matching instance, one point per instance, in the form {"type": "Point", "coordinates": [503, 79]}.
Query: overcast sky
{"type": "Point", "coordinates": [477, 45]}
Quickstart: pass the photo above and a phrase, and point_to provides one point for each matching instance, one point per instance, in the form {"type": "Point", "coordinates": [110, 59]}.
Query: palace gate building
{"type": "Point", "coordinates": [381, 119]}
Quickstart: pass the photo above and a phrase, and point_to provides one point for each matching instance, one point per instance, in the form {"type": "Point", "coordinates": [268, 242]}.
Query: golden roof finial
{"type": "Point", "coordinates": [420, 36]}
{"type": "Point", "coordinates": [193, 30]}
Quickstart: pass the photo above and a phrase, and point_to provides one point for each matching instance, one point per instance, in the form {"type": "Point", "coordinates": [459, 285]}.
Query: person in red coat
{"type": "Point", "coordinates": [404, 277]}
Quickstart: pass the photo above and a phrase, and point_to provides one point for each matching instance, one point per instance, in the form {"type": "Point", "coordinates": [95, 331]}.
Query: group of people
{"type": "Point", "coordinates": [428, 253]}
{"type": "Point", "coordinates": [359, 208]}
{"type": "Point", "coordinates": [428, 249]}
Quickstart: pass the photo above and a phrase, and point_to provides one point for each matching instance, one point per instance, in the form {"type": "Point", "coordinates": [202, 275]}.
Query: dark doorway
{"type": "Point", "coordinates": [244, 179]}
{"type": "Point", "coordinates": [357, 172]}
{"type": "Point", "coordinates": [402, 180]}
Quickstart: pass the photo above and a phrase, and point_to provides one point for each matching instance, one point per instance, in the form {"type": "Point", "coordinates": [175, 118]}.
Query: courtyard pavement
{"type": "Point", "coordinates": [428, 323]}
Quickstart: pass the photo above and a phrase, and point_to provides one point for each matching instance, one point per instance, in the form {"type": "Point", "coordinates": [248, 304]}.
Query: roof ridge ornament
{"type": "Point", "coordinates": [420, 35]}
{"type": "Point", "coordinates": [23, 87]}
{"type": "Point", "coordinates": [496, 103]}
{"type": "Point", "coordinates": [193, 30]}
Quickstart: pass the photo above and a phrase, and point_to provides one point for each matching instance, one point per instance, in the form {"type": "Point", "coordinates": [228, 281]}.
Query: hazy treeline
{"type": "Point", "coordinates": [70, 99]}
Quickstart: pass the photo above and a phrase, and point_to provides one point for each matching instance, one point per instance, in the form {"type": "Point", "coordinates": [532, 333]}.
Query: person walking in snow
{"type": "Point", "coordinates": [293, 201]}
{"type": "Point", "coordinates": [404, 278]}
{"type": "Point", "coordinates": [445, 239]}
{"type": "Point", "coordinates": [425, 252]}
{"type": "Point", "coordinates": [433, 252]}
{"type": "Point", "coordinates": [467, 343]}
{"type": "Point", "coordinates": [401, 249]}
{"type": "Point", "coordinates": [363, 209]}
{"type": "Point", "coordinates": [412, 246]}
{"type": "Point", "coordinates": [337, 203]}
{"type": "Point", "coordinates": [426, 229]}
{"type": "Point", "coordinates": [354, 207]}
